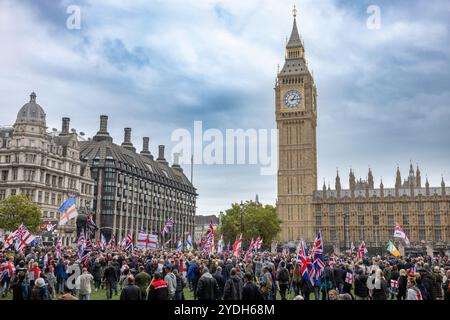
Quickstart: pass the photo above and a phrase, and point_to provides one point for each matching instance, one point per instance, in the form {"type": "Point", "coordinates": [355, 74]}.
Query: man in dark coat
{"type": "Point", "coordinates": [110, 277]}
{"type": "Point", "coordinates": [250, 292]}
{"type": "Point", "coordinates": [218, 275]}
{"type": "Point", "coordinates": [361, 290]}
{"type": "Point", "coordinates": [131, 291]}
{"type": "Point", "coordinates": [233, 287]}
{"type": "Point", "coordinates": [427, 284]}
{"type": "Point", "coordinates": [207, 288]}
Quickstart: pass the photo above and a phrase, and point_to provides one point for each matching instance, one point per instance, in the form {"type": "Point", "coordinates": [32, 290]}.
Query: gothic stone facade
{"type": "Point", "coordinates": [360, 213]}
{"type": "Point", "coordinates": [365, 213]}
{"type": "Point", "coordinates": [44, 166]}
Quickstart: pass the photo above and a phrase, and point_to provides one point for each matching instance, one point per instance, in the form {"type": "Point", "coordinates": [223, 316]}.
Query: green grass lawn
{"type": "Point", "coordinates": [101, 295]}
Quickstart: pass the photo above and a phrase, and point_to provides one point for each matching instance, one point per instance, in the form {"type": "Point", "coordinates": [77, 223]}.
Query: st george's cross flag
{"type": "Point", "coordinates": [349, 278]}
{"type": "Point", "coordinates": [25, 238]}
{"type": "Point", "coordinates": [68, 210]}
{"type": "Point", "coordinates": [237, 246]}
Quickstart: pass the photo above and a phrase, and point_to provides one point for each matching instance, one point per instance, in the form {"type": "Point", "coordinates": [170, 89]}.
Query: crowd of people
{"type": "Point", "coordinates": [168, 275]}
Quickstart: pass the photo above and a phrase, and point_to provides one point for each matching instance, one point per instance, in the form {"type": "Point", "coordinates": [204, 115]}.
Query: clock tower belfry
{"type": "Point", "coordinates": [296, 117]}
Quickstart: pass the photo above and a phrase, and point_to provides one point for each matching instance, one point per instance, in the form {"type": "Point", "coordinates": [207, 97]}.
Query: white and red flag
{"type": "Point", "coordinates": [399, 233]}
{"type": "Point", "coordinates": [237, 247]}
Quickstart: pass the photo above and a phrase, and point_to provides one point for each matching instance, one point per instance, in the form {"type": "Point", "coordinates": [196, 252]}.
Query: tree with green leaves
{"type": "Point", "coordinates": [257, 220]}
{"type": "Point", "coordinates": [19, 209]}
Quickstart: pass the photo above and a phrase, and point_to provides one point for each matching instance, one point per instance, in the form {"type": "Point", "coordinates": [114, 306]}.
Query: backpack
{"type": "Point", "coordinates": [284, 276]}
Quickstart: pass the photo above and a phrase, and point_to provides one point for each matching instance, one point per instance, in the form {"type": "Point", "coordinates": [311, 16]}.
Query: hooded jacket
{"type": "Point", "coordinates": [207, 288]}
{"type": "Point", "coordinates": [233, 288]}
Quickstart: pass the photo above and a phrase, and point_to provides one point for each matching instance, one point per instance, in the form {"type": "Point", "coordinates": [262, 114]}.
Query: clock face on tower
{"type": "Point", "coordinates": [292, 99]}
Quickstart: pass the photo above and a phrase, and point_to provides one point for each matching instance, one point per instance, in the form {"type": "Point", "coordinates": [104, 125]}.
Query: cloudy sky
{"type": "Point", "coordinates": [160, 65]}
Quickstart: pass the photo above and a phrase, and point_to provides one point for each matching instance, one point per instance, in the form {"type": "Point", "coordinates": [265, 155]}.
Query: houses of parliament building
{"type": "Point", "coordinates": [362, 212]}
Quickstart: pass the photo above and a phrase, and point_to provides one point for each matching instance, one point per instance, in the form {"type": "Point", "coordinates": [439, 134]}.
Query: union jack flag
{"type": "Point", "coordinates": [304, 262]}
{"type": "Point", "coordinates": [92, 227]}
{"type": "Point", "coordinates": [167, 227]}
{"type": "Point", "coordinates": [362, 250]}
{"type": "Point", "coordinates": [80, 244]}
{"type": "Point", "coordinates": [250, 249]}
{"type": "Point", "coordinates": [86, 253]}
{"type": "Point", "coordinates": [128, 245]}
{"type": "Point", "coordinates": [318, 263]}
{"type": "Point", "coordinates": [25, 238]}
{"type": "Point", "coordinates": [208, 246]}
{"type": "Point", "coordinates": [112, 242]}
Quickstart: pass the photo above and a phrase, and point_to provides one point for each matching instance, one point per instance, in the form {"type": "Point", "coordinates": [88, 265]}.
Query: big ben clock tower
{"type": "Point", "coordinates": [296, 116]}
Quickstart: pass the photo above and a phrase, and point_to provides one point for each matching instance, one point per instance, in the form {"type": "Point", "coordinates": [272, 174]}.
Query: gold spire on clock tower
{"type": "Point", "coordinates": [295, 99]}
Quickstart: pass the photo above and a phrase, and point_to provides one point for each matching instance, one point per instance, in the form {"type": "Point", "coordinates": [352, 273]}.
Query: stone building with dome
{"type": "Point", "coordinates": [44, 165]}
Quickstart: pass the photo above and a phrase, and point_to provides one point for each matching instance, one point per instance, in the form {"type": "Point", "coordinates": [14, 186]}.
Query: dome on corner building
{"type": "Point", "coordinates": [31, 112]}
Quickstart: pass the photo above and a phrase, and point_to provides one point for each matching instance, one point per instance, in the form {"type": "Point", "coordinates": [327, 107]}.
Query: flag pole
{"type": "Point", "coordinates": [192, 168]}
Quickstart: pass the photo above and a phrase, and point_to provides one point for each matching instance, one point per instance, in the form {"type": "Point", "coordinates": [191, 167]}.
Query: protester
{"type": "Point", "coordinates": [207, 288]}
{"type": "Point", "coordinates": [39, 291]}
{"type": "Point", "coordinates": [142, 280]}
{"type": "Point", "coordinates": [131, 291]}
{"type": "Point", "coordinates": [250, 292]}
{"type": "Point", "coordinates": [171, 282]}
{"type": "Point", "coordinates": [21, 289]}
{"type": "Point", "coordinates": [85, 285]}
{"type": "Point", "coordinates": [158, 289]}
{"type": "Point", "coordinates": [361, 290]}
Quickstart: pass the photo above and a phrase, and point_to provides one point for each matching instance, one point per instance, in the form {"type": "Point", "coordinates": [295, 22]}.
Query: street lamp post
{"type": "Point", "coordinates": [345, 230]}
